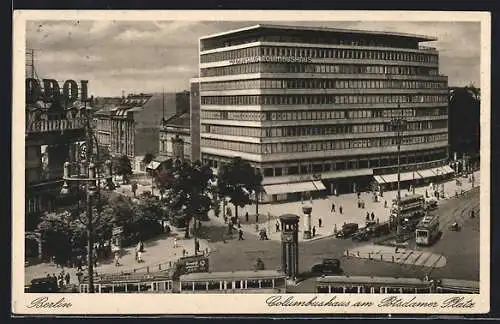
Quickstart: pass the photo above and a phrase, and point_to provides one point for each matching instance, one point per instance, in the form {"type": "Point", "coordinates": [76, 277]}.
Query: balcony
{"type": "Point", "coordinates": [59, 125]}
{"type": "Point", "coordinates": [427, 48]}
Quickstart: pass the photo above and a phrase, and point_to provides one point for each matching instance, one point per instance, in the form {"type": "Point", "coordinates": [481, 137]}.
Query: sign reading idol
{"type": "Point", "coordinates": [49, 90]}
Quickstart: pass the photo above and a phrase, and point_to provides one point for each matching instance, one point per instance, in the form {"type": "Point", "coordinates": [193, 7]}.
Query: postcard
{"type": "Point", "coordinates": [251, 162]}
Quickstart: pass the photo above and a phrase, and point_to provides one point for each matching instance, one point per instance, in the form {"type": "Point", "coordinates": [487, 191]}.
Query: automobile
{"type": "Point", "coordinates": [327, 267]}
{"type": "Point", "coordinates": [361, 235]}
{"type": "Point", "coordinates": [378, 229]}
{"type": "Point", "coordinates": [42, 285]}
{"type": "Point", "coordinates": [347, 230]}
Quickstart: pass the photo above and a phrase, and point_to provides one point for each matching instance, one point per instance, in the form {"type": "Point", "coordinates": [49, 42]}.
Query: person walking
{"type": "Point", "coordinates": [277, 226]}
{"type": "Point", "coordinates": [367, 216]}
{"type": "Point", "coordinates": [340, 210]}
{"type": "Point", "coordinates": [373, 216]}
{"type": "Point", "coordinates": [314, 231]}
{"type": "Point", "coordinates": [385, 204]}
{"type": "Point", "coordinates": [246, 217]}
{"type": "Point", "coordinates": [320, 221]}
{"type": "Point", "coordinates": [175, 242]}
{"type": "Point", "coordinates": [256, 218]}
{"type": "Point", "coordinates": [333, 208]}
{"type": "Point", "coordinates": [238, 223]}
{"type": "Point", "coordinates": [240, 235]}
{"type": "Point", "coordinates": [139, 256]}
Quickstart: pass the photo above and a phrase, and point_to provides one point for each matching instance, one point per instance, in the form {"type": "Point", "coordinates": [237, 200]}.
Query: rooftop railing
{"type": "Point", "coordinates": [57, 125]}
{"type": "Point", "coordinates": [427, 48]}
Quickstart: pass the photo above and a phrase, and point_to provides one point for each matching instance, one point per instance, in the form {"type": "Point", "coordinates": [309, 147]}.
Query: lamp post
{"type": "Point", "coordinates": [398, 125]}
{"type": "Point", "coordinates": [87, 173]}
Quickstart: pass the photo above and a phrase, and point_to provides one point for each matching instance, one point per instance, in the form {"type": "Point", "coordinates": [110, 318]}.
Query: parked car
{"type": "Point", "coordinates": [327, 267]}
{"type": "Point", "coordinates": [347, 230]}
{"type": "Point", "coordinates": [361, 236]}
{"type": "Point", "coordinates": [42, 285]}
{"type": "Point", "coordinates": [378, 229]}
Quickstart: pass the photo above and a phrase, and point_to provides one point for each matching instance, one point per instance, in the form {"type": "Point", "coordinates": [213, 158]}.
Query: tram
{"type": "Point", "coordinates": [261, 281]}
{"type": "Point", "coordinates": [427, 230]}
{"type": "Point", "coordinates": [143, 283]}
{"type": "Point", "coordinates": [453, 286]}
{"type": "Point", "coordinates": [372, 285]}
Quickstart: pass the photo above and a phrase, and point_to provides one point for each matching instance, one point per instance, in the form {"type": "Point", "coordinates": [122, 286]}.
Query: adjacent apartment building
{"type": "Point", "coordinates": [311, 108]}
{"type": "Point", "coordinates": [132, 124]}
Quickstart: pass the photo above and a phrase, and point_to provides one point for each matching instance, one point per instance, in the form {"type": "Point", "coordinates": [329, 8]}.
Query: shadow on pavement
{"type": "Point", "coordinates": [214, 234]}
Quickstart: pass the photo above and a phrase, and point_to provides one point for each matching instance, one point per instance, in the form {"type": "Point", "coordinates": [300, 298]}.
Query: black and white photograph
{"type": "Point", "coordinates": [251, 162]}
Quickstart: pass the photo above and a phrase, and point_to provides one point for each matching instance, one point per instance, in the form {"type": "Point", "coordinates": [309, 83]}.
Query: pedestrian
{"type": "Point", "coordinates": [197, 246]}
{"type": "Point", "coordinates": [314, 231]}
{"type": "Point", "coordinates": [228, 212]}
{"type": "Point", "coordinates": [67, 278]}
{"type": "Point", "coordinates": [377, 220]}
{"type": "Point", "coordinates": [246, 217]}
{"type": "Point", "coordinates": [373, 216]}
{"type": "Point", "coordinates": [340, 210]}
{"type": "Point", "coordinates": [117, 259]}
{"type": "Point", "coordinates": [320, 221]}
{"type": "Point", "coordinates": [79, 275]}
{"type": "Point", "coordinates": [183, 252]}
{"type": "Point", "coordinates": [175, 242]}
{"type": "Point", "coordinates": [359, 194]}
{"type": "Point", "coordinates": [385, 204]}
{"type": "Point", "coordinates": [277, 226]}
{"type": "Point", "coordinates": [141, 246]}
{"type": "Point", "coordinates": [471, 214]}
{"type": "Point", "coordinates": [367, 216]}
{"type": "Point", "coordinates": [335, 194]}
{"type": "Point", "coordinates": [240, 235]}
{"type": "Point", "coordinates": [333, 208]}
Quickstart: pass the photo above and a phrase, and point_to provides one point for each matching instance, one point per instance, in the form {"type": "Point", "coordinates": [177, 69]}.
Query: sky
{"type": "Point", "coordinates": [155, 56]}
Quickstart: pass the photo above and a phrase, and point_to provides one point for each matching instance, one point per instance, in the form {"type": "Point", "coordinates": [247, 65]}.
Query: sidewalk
{"type": "Point", "coordinates": [158, 252]}
{"type": "Point", "coordinates": [321, 208]}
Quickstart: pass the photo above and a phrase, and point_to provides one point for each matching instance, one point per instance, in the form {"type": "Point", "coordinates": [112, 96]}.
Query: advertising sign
{"type": "Point", "coordinates": [49, 90]}
{"type": "Point", "coordinates": [192, 264]}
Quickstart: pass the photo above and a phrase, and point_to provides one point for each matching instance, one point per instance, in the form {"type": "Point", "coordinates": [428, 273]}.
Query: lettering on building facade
{"type": "Point", "coordinates": [282, 59]}
{"type": "Point", "coordinates": [49, 90]}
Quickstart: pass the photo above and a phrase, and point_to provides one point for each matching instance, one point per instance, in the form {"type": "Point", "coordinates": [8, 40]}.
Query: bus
{"type": "Point", "coordinates": [259, 281]}
{"type": "Point", "coordinates": [372, 285]}
{"type": "Point", "coordinates": [453, 286]}
{"type": "Point", "coordinates": [427, 230]}
{"type": "Point", "coordinates": [134, 283]}
{"type": "Point", "coordinates": [411, 208]}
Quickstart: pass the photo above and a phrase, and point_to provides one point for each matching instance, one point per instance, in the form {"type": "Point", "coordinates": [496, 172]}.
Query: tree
{"type": "Point", "coordinates": [148, 157]}
{"type": "Point", "coordinates": [237, 181]}
{"type": "Point", "coordinates": [123, 167]}
{"type": "Point", "coordinates": [189, 190]}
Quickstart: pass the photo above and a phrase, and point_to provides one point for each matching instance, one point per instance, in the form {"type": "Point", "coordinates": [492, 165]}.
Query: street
{"type": "Point", "coordinates": [461, 250]}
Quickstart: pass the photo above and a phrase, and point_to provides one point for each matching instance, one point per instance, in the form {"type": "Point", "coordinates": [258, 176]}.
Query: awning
{"type": "Point", "coordinates": [290, 187]}
{"type": "Point", "coordinates": [446, 169]}
{"type": "Point", "coordinates": [427, 173]}
{"type": "Point", "coordinates": [153, 165]}
{"type": "Point", "coordinates": [379, 179]}
{"type": "Point", "coordinates": [319, 185]}
{"type": "Point", "coordinates": [405, 176]}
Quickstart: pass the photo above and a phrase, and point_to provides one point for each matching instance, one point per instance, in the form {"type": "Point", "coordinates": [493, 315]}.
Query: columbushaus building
{"type": "Point", "coordinates": [311, 108]}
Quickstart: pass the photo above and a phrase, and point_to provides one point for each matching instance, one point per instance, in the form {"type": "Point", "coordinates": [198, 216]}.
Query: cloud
{"type": "Point", "coordinates": [145, 56]}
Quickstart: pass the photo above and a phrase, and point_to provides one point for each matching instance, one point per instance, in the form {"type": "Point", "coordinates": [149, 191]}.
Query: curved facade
{"type": "Point", "coordinates": [317, 103]}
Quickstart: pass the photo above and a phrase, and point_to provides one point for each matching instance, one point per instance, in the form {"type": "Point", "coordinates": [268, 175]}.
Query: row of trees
{"type": "Point", "coordinates": [190, 190]}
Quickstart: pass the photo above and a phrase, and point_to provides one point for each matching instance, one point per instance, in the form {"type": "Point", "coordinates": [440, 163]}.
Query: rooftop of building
{"type": "Point", "coordinates": [182, 120]}
{"type": "Point", "coordinates": [420, 38]}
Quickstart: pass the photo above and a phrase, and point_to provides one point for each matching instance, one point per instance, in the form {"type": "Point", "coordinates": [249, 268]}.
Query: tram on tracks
{"type": "Point", "coordinates": [390, 285]}
{"type": "Point", "coordinates": [240, 282]}
{"type": "Point", "coordinates": [427, 230]}
{"type": "Point", "coordinates": [453, 286]}
{"type": "Point", "coordinates": [371, 285]}
{"type": "Point", "coordinates": [133, 283]}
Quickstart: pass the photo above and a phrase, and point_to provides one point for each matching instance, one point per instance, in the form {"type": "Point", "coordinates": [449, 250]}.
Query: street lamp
{"type": "Point", "coordinates": [87, 173]}
{"type": "Point", "coordinates": [398, 125]}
